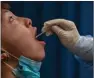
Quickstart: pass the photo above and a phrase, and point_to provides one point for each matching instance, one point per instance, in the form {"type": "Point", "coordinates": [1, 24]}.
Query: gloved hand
{"type": "Point", "coordinates": [64, 29]}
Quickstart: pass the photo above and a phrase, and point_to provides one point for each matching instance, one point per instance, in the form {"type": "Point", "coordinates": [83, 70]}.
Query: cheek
{"type": "Point", "coordinates": [17, 31]}
{"type": "Point", "coordinates": [22, 28]}
{"type": "Point", "coordinates": [32, 31]}
{"type": "Point", "coordinates": [5, 30]}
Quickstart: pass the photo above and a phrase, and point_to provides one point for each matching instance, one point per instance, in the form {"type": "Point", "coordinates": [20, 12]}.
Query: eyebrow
{"type": "Point", "coordinates": [5, 11]}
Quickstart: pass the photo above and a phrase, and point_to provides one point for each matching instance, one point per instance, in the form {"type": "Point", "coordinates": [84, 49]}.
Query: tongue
{"type": "Point", "coordinates": [42, 42]}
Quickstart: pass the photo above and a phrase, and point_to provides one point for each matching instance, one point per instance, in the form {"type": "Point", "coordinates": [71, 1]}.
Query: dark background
{"type": "Point", "coordinates": [59, 62]}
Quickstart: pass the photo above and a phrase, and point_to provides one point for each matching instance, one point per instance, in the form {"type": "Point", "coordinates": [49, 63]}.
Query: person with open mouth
{"type": "Point", "coordinates": [18, 38]}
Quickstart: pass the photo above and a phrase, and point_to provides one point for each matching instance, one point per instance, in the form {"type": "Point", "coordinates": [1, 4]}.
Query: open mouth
{"type": "Point", "coordinates": [39, 38]}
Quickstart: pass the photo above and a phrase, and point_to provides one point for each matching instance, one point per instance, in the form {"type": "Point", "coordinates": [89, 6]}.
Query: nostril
{"type": "Point", "coordinates": [28, 22]}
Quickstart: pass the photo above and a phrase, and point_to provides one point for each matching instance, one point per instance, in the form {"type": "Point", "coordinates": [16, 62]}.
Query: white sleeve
{"type": "Point", "coordinates": [84, 48]}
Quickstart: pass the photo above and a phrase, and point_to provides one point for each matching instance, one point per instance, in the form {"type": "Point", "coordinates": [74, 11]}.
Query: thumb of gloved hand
{"type": "Point", "coordinates": [64, 29]}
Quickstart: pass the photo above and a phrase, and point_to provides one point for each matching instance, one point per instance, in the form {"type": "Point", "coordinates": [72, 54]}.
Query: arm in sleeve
{"type": "Point", "coordinates": [84, 48]}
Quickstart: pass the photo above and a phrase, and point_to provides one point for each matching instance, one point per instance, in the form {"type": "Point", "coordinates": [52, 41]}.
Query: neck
{"type": "Point", "coordinates": [7, 71]}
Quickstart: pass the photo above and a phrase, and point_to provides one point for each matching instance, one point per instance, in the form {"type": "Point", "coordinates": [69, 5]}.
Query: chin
{"type": "Point", "coordinates": [39, 50]}
{"type": "Point", "coordinates": [41, 56]}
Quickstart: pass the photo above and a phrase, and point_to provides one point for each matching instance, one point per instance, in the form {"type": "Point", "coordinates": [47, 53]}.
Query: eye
{"type": "Point", "coordinates": [11, 19]}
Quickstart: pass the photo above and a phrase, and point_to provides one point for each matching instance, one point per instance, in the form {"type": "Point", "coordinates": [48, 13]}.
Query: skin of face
{"type": "Point", "coordinates": [18, 36]}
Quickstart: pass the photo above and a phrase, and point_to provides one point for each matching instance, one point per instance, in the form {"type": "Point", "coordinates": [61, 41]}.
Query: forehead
{"type": "Point", "coordinates": [5, 12]}
{"type": "Point", "coordinates": [4, 7]}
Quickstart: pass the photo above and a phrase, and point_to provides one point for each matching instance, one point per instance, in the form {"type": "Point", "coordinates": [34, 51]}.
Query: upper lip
{"type": "Point", "coordinates": [36, 33]}
{"type": "Point", "coordinates": [35, 28]}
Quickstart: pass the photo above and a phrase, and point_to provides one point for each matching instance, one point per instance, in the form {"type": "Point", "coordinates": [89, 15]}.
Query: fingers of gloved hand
{"type": "Point", "coordinates": [59, 31]}
{"type": "Point", "coordinates": [63, 23]}
{"type": "Point", "coordinates": [49, 33]}
{"type": "Point", "coordinates": [48, 25]}
{"type": "Point", "coordinates": [45, 28]}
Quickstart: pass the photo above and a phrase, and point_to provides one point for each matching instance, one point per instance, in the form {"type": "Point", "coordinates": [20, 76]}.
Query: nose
{"type": "Point", "coordinates": [28, 22]}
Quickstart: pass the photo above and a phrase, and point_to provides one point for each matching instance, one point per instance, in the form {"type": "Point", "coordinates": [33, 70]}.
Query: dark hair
{"type": "Point", "coordinates": [5, 5]}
